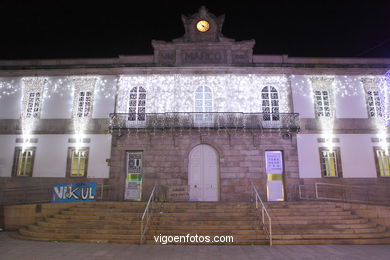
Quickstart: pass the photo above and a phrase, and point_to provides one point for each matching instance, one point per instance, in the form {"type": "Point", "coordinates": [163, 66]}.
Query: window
{"type": "Point", "coordinates": [77, 162]}
{"type": "Point", "coordinates": [322, 103]}
{"type": "Point", "coordinates": [270, 103]}
{"type": "Point", "coordinates": [23, 161]}
{"type": "Point", "coordinates": [382, 162]}
{"type": "Point", "coordinates": [373, 103]}
{"type": "Point", "coordinates": [137, 103]}
{"type": "Point", "coordinates": [84, 104]}
{"type": "Point", "coordinates": [203, 105]}
{"type": "Point", "coordinates": [32, 110]}
{"type": "Point", "coordinates": [330, 162]}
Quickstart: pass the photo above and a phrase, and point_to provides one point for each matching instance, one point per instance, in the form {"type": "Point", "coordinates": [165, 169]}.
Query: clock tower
{"type": "Point", "coordinates": [202, 44]}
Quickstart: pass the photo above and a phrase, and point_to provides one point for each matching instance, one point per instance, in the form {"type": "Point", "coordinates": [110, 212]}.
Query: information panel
{"type": "Point", "coordinates": [133, 176]}
{"type": "Point", "coordinates": [274, 162]}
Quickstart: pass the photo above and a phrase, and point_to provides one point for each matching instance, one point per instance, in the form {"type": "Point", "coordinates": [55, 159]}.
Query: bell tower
{"type": "Point", "coordinates": [202, 44]}
{"type": "Point", "coordinates": [202, 26]}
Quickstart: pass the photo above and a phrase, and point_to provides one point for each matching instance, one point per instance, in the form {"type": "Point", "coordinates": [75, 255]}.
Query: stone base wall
{"type": "Point", "coordinates": [366, 190]}
{"type": "Point", "coordinates": [241, 160]}
{"type": "Point", "coordinates": [23, 190]}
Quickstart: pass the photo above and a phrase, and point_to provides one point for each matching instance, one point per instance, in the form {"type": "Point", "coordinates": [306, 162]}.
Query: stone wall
{"type": "Point", "coordinates": [241, 160]}
{"type": "Point", "coordinates": [22, 190]}
{"type": "Point", "coordinates": [366, 190]}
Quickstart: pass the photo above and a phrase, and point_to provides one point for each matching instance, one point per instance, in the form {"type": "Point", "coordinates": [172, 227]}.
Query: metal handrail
{"type": "Point", "coordinates": [264, 213]}
{"type": "Point", "coordinates": [147, 214]}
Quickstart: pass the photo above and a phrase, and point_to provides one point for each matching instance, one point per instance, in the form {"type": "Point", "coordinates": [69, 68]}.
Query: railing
{"type": "Point", "coordinates": [41, 194]}
{"type": "Point", "coordinates": [148, 212]}
{"type": "Point", "coordinates": [264, 214]}
{"type": "Point", "coordinates": [370, 193]}
{"type": "Point", "coordinates": [214, 120]}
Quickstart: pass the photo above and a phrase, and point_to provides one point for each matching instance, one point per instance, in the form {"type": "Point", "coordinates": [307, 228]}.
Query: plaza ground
{"type": "Point", "coordinates": [11, 248]}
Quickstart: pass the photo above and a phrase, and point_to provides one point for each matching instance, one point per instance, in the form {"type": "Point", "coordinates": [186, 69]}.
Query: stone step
{"type": "Point", "coordinates": [277, 219]}
{"type": "Point", "coordinates": [300, 210]}
{"type": "Point", "coordinates": [175, 226]}
{"type": "Point", "coordinates": [203, 211]}
{"type": "Point", "coordinates": [373, 241]}
{"type": "Point", "coordinates": [209, 239]}
{"type": "Point", "coordinates": [98, 217]}
{"type": "Point", "coordinates": [194, 223]}
{"type": "Point", "coordinates": [329, 231]}
{"type": "Point", "coordinates": [288, 226]}
{"type": "Point", "coordinates": [322, 221]}
{"type": "Point", "coordinates": [38, 228]}
{"type": "Point", "coordinates": [54, 236]}
{"type": "Point", "coordinates": [101, 213]}
{"type": "Point", "coordinates": [309, 213]}
{"type": "Point", "coordinates": [214, 232]}
{"type": "Point", "coordinates": [95, 241]}
{"type": "Point", "coordinates": [206, 205]}
{"type": "Point", "coordinates": [220, 215]}
{"type": "Point", "coordinates": [302, 206]}
{"type": "Point", "coordinates": [237, 241]}
{"type": "Point", "coordinates": [90, 210]}
{"type": "Point", "coordinates": [299, 203]}
{"type": "Point", "coordinates": [93, 222]}
{"type": "Point", "coordinates": [87, 225]}
{"type": "Point", "coordinates": [332, 236]}
{"type": "Point", "coordinates": [210, 220]}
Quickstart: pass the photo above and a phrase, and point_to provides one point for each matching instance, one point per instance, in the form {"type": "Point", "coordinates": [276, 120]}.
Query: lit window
{"type": "Point", "coordinates": [373, 103]}
{"type": "Point", "coordinates": [203, 105]}
{"type": "Point", "coordinates": [270, 103]}
{"type": "Point", "coordinates": [78, 161]}
{"type": "Point", "coordinates": [322, 103]}
{"type": "Point", "coordinates": [137, 104]}
{"type": "Point", "coordinates": [32, 110]}
{"type": "Point", "coordinates": [382, 162]}
{"type": "Point", "coordinates": [24, 161]}
{"type": "Point", "coordinates": [330, 162]}
{"type": "Point", "coordinates": [84, 104]}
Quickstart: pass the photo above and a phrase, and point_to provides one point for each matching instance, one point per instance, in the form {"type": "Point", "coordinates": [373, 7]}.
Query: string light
{"type": "Point", "coordinates": [175, 93]}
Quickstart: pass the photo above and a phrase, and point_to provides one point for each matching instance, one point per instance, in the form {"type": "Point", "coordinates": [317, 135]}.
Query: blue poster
{"type": "Point", "coordinates": [74, 192]}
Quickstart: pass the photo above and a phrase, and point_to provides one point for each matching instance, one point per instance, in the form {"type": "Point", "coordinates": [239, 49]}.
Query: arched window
{"type": "Point", "coordinates": [203, 104]}
{"type": "Point", "coordinates": [270, 103]}
{"type": "Point", "coordinates": [137, 104]}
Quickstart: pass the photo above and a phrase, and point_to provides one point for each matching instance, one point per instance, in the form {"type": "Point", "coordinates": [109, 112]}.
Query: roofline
{"type": "Point", "coordinates": [148, 61]}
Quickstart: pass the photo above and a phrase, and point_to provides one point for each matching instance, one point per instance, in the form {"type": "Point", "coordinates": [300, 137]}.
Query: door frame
{"type": "Point", "coordinates": [218, 169]}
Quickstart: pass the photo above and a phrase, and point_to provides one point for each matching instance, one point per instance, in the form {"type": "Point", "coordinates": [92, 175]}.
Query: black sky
{"type": "Point", "coordinates": [87, 29]}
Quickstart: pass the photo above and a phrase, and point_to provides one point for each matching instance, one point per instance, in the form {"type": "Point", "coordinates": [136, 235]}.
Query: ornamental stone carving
{"type": "Point", "coordinates": [198, 47]}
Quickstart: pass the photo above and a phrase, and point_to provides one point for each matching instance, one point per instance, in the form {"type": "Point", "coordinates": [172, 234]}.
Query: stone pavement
{"type": "Point", "coordinates": [25, 250]}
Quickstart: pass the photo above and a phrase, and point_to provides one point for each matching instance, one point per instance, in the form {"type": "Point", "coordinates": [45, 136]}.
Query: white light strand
{"type": "Point", "coordinates": [175, 92]}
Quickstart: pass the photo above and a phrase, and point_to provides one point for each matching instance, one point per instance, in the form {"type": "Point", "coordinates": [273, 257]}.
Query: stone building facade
{"type": "Point", "coordinates": [203, 118]}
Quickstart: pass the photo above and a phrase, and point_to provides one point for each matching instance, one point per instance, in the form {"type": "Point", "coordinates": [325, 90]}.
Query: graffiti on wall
{"type": "Point", "coordinates": [74, 192]}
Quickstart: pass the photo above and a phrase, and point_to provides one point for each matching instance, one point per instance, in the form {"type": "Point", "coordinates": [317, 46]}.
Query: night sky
{"type": "Point", "coordinates": [94, 29]}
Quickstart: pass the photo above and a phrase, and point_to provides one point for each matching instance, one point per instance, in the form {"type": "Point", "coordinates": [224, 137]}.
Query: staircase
{"type": "Point", "coordinates": [208, 219]}
{"type": "Point", "coordinates": [322, 223]}
{"type": "Point", "coordinates": [101, 222]}
{"type": "Point", "coordinates": [292, 223]}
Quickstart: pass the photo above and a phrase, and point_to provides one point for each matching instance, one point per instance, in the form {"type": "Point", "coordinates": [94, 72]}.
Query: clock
{"type": "Point", "coordinates": [203, 26]}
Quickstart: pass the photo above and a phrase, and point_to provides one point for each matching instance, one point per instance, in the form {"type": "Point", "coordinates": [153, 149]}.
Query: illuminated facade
{"type": "Point", "coordinates": [203, 117]}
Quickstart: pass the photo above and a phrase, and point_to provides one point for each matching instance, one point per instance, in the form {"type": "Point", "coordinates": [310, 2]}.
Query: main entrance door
{"type": "Point", "coordinates": [203, 177]}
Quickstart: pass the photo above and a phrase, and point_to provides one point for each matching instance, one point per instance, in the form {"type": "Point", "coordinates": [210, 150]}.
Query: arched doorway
{"type": "Point", "coordinates": [203, 173]}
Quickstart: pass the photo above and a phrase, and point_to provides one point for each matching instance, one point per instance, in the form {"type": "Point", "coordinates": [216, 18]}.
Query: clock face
{"type": "Point", "coordinates": [203, 26]}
